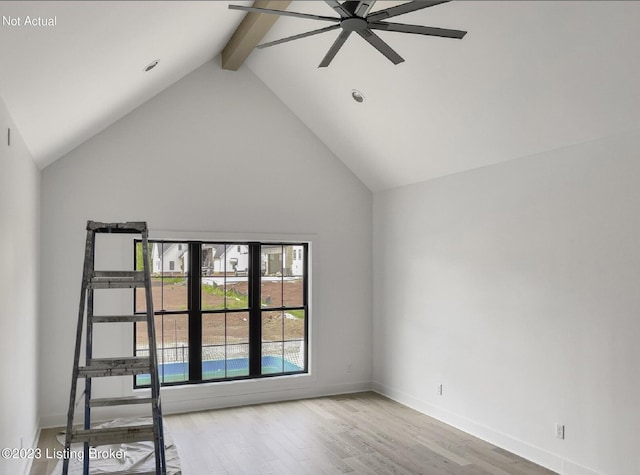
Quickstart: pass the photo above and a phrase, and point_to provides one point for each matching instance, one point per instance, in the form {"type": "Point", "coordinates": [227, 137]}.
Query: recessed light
{"type": "Point", "coordinates": [357, 95]}
{"type": "Point", "coordinates": [151, 65]}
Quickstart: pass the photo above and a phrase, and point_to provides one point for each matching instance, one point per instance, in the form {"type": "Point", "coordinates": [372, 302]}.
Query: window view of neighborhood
{"type": "Point", "coordinates": [222, 309]}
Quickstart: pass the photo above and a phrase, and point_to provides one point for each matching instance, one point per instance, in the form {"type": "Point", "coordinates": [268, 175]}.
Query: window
{"type": "Point", "coordinates": [238, 310]}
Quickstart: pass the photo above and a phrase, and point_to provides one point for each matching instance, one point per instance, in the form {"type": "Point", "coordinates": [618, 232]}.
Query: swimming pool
{"type": "Point", "coordinates": [215, 369]}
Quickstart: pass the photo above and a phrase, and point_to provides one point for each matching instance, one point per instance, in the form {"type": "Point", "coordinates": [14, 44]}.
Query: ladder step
{"type": "Point", "coordinates": [133, 227]}
{"type": "Point", "coordinates": [113, 435]}
{"type": "Point", "coordinates": [124, 366]}
{"type": "Point", "coordinates": [119, 318]}
{"type": "Point", "coordinates": [117, 279]}
{"type": "Point", "coordinates": [120, 401]}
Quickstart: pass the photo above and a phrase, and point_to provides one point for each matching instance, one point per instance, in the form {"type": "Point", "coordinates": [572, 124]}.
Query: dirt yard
{"type": "Point", "coordinates": [172, 330]}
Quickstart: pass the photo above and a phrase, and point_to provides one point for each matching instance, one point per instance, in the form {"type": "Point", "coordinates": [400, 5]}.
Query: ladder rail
{"type": "Point", "coordinates": [86, 272]}
{"type": "Point", "coordinates": [151, 335]}
{"type": "Point", "coordinates": [88, 357]}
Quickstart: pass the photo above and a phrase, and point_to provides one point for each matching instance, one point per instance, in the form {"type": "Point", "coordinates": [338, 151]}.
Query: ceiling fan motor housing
{"type": "Point", "coordinates": [354, 24]}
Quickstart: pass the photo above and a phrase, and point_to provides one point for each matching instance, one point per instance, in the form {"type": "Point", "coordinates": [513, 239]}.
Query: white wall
{"type": "Point", "coordinates": [19, 258]}
{"type": "Point", "coordinates": [214, 155]}
{"type": "Point", "coordinates": [516, 286]}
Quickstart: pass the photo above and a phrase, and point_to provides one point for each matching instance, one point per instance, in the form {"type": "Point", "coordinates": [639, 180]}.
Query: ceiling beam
{"type": "Point", "coordinates": [249, 33]}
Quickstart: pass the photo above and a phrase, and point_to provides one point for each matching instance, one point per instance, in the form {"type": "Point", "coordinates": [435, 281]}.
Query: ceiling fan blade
{"type": "Point", "coordinates": [381, 46]}
{"type": "Point", "coordinates": [402, 9]}
{"type": "Point", "coordinates": [283, 13]}
{"type": "Point", "coordinates": [335, 47]}
{"type": "Point", "coordinates": [295, 37]}
{"type": "Point", "coordinates": [364, 7]}
{"type": "Point", "coordinates": [338, 8]}
{"type": "Point", "coordinates": [417, 29]}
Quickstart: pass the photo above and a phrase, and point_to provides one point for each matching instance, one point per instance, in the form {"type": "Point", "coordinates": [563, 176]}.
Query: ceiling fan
{"type": "Point", "coordinates": [355, 16]}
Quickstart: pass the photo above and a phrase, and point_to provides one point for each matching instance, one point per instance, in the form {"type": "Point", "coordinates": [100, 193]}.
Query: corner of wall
{"type": "Point", "coordinates": [19, 292]}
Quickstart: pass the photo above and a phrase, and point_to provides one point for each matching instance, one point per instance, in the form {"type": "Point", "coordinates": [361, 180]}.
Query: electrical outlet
{"type": "Point", "coordinates": [559, 431]}
{"type": "Point", "coordinates": [439, 389]}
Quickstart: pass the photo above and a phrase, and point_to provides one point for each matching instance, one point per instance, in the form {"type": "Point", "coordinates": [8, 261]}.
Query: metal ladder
{"type": "Point", "coordinates": [118, 366]}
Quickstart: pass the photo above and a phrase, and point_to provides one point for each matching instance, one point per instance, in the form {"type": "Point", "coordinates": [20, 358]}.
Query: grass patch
{"type": "Point", "coordinates": [234, 298]}
{"type": "Point", "coordinates": [170, 280]}
{"type": "Point", "coordinates": [296, 313]}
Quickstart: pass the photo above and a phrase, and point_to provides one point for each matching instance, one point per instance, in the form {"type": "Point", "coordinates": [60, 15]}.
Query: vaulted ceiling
{"type": "Point", "coordinates": [528, 77]}
{"type": "Point", "coordinates": [64, 84]}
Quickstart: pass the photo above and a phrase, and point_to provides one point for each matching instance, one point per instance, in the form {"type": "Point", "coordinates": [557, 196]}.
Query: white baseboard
{"type": "Point", "coordinates": [219, 402]}
{"type": "Point", "coordinates": [523, 449]}
{"type": "Point", "coordinates": [202, 401]}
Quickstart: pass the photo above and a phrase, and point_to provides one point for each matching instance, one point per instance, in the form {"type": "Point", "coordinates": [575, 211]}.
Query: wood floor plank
{"type": "Point", "coordinates": [361, 433]}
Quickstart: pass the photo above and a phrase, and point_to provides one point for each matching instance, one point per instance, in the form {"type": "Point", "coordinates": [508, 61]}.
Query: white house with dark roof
{"type": "Point", "coordinates": [170, 258]}
{"type": "Point", "coordinates": [230, 258]}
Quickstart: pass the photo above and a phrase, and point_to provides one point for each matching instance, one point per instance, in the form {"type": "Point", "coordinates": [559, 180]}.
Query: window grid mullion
{"type": "Point", "coordinates": [255, 313]}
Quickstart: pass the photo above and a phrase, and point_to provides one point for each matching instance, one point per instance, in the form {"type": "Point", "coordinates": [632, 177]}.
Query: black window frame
{"type": "Point", "coordinates": [255, 309]}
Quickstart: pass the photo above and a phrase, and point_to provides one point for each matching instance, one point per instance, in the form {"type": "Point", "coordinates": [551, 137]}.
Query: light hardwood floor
{"type": "Point", "coordinates": [356, 433]}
